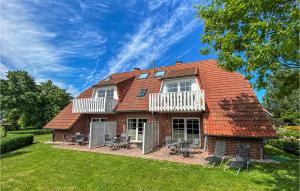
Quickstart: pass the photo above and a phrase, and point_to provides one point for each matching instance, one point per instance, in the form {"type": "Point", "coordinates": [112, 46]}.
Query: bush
{"type": "Point", "coordinates": [13, 142]}
{"type": "Point", "coordinates": [293, 128]}
{"type": "Point", "coordinates": [33, 131]}
{"type": "Point", "coordinates": [289, 131]}
{"type": "Point", "coordinates": [286, 145]}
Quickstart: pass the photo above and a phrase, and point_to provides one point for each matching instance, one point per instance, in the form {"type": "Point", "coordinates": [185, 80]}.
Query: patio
{"type": "Point", "coordinates": [134, 150]}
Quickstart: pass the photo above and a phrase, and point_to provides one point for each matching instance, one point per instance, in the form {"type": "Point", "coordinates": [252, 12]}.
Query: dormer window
{"type": "Point", "coordinates": [143, 76]}
{"type": "Point", "coordinates": [172, 87]}
{"type": "Point", "coordinates": [180, 85]}
{"type": "Point", "coordinates": [159, 73]}
{"type": "Point", "coordinates": [105, 92]}
{"type": "Point", "coordinates": [185, 86]}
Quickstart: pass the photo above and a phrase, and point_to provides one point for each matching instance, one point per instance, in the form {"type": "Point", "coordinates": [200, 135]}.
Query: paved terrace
{"type": "Point", "coordinates": [134, 150]}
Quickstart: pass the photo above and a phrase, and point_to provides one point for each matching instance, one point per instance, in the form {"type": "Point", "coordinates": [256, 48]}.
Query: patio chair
{"type": "Point", "coordinates": [186, 149]}
{"type": "Point", "coordinates": [195, 144]}
{"type": "Point", "coordinates": [125, 143]}
{"type": "Point", "coordinates": [111, 143]}
{"type": "Point", "coordinates": [241, 159]}
{"type": "Point", "coordinates": [219, 153]}
{"type": "Point", "coordinates": [107, 140]}
{"type": "Point", "coordinates": [79, 139]}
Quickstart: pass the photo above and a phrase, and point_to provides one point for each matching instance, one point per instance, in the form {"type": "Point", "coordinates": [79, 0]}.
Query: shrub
{"type": "Point", "coordinates": [13, 142]}
{"type": "Point", "coordinates": [293, 128]}
{"type": "Point", "coordinates": [289, 131]}
{"type": "Point", "coordinates": [33, 131]}
{"type": "Point", "coordinates": [286, 145]}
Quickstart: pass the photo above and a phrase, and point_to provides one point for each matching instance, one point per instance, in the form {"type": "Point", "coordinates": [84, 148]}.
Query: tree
{"type": "Point", "coordinates": [284, 105]}
{"type": "Point", "coordinates": [24, 103]}
{"type": "Point", "coordinates": [256, 37]}
{"type": "Point", "coordinates": [53, 99]}
{"type": "Point", "coordinates": [17, 91]}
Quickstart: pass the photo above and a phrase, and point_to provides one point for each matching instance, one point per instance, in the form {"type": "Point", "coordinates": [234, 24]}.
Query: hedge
{"type": "Point", "coordinates": [33, 131]}
{"type": "Point", "coordinates": [13, 142]}
{"type": "Point", "coordinates": [286, 145]}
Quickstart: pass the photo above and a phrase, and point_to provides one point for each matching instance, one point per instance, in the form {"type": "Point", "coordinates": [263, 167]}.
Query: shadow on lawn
{"type": "Point", "coordinates": [285, 175]}
{"type": "Point", "coordinates": [12, 154]}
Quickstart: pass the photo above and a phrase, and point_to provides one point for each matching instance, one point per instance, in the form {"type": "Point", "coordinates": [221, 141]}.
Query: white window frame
{"type": "Point", "coordinates": [185, 126]}
{"type": "Point", "coordinates": [193, 80]}
{"type": "Point", "coordinates": [115, 96]}
{"type": "Point", "coordinates": [136, 133]}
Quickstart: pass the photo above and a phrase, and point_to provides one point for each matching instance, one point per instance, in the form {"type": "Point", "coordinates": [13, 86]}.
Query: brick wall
{"type": "Point", "coordinates": [165, 123]}
{"type": "Point", "coordinates": [256, 145]}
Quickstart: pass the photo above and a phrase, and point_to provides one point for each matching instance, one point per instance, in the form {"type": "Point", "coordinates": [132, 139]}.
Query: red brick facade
{"type": "Point", "coordinates": [256, 145]}
{"type": "Point", "coordinates": [165, 123]}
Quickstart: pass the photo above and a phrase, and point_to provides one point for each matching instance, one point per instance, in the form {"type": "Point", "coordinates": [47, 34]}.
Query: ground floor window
{"type": "Point", "coordinates": [98, 119]}
{"type": "Point", "coordinates": [185, 128]}
{"type": "Point", "coordinates": [135, 128]}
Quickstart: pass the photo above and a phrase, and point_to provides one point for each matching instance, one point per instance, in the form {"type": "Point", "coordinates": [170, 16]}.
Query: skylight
{"type": "Point", "coordinates": [160, 73]}
{"type": "Point", "coordinates": [142, 92]}
{"type": "Point", "coordinates": [144, 76]}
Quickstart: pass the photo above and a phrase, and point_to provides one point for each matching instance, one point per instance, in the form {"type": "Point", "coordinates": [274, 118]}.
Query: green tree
{"type": "Point", "coordinates": [256, 37]}
{"type": "Point", "coordinates": [53, 99]}
{"type": "Point", "coordinates": [16, 92]}
{"type": "Point", "coordinates": [284, 105]}
{"type": "Point", "coordinates": [24, 104]}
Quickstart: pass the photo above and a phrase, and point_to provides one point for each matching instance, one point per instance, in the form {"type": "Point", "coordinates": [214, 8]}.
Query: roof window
{"type": "Point", "coordinates": [160, 73]}
{"type": "Point", "coordinates": [144, 76]}
{"type": "Point", "coordinates": [142, 92]}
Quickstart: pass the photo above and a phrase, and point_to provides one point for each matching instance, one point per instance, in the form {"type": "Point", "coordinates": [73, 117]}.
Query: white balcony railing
{"type": "Point", "coordinates": [94, 105]}
{"type": "Point", "coordinates": [177, 101]}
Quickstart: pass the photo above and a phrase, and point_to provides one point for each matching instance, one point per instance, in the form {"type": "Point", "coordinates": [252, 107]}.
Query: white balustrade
{"type": "Point", "coordinates": [94, 105]}
{"type": "Point", "coordinates": [177, 101]}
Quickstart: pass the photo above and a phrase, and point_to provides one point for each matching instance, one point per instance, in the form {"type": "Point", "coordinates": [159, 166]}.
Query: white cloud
{"type": "Point", "coordinates": [23, 42]}
{"type": "Point", "coordinates": [154, 37]}
{"type": "Point", "coordinates": [28, 43]}
{"type": "Point", "coordinates": [155, 4]}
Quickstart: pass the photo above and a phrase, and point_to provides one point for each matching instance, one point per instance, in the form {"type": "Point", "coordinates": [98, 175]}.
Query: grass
{"type": "Point", "coordinates": [42, 167]}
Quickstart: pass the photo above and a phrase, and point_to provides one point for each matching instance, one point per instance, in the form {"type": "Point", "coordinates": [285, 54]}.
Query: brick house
{"type": "Point", "coordinates": [189, 100]}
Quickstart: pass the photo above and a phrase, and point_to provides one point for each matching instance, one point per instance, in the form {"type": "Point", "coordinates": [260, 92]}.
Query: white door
{"type": "Point", "coordinates": [185, 129]}
{"type": "Point", "coordinates": [135, 128]}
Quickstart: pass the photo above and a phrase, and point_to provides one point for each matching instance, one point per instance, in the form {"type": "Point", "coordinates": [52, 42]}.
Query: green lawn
{"type": "Point", "coordinates": [42, 167]}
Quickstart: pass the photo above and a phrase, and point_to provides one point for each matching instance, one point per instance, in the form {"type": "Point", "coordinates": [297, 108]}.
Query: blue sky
{"type": "Point", "coordinates": [76, 43]}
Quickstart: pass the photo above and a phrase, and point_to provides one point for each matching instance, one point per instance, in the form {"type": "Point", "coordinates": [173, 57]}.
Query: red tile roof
{"type": "Point", "coordinates": [232, 108]}
{"type": "Point", "coordinates": [181, 73]}
{"type": "Point", "coordinates": [113, 81]}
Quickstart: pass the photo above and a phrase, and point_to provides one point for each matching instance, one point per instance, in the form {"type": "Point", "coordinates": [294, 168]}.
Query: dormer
{"type": "Point", "coordinates": [180, 91]}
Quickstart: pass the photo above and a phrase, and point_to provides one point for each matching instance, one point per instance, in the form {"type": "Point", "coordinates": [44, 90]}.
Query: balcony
{"type": "Point", "coordinates": [94, 105]}
{"type": "Point", "coordinates": [177, 101]}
